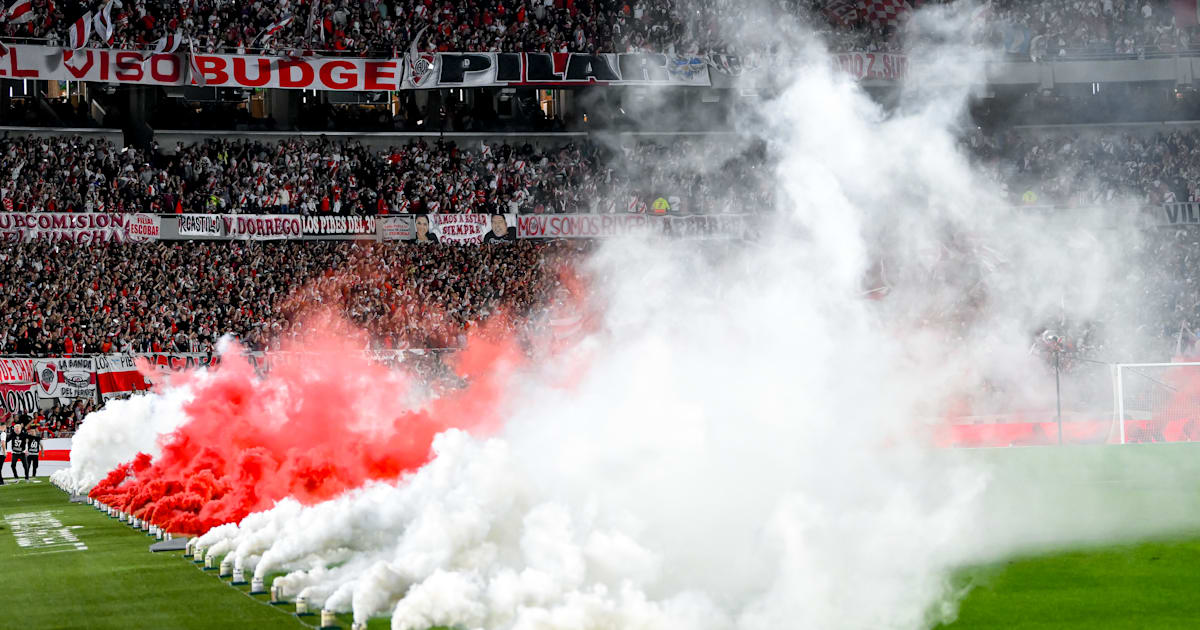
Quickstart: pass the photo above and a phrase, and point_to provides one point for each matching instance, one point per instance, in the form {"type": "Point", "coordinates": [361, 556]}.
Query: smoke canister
{"type": "Point", "coordinates": [301, 605]}
{"type": "Point", "coordinates": [239, 576]}
{"type": "Point", "coordinates": [256, 585]}
{"type": "Point", "coordinates": [226, 567]}
{"type": "Point", "coordinates": [327, 619]}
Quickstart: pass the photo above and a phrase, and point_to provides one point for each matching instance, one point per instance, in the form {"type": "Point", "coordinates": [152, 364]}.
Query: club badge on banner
{"type": "Point", "coordinates": [66, 377]}
{"type": "Point", "coordinates": [78, 227]}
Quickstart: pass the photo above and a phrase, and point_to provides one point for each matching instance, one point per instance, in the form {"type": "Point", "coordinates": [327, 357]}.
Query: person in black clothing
{"type": "Point", "coordinates": [33, 449]}
{"type": "Point", "coordinates": [16, 446]}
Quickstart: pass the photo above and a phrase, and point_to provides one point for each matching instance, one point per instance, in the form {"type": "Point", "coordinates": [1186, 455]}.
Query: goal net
{"type": "Point", "coordinates": [1158, 402]}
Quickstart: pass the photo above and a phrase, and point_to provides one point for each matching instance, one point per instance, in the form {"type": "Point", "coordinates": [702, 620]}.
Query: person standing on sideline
{"type": "Point", "coordinates": [16, 446]}
{"type": "Point", "coordinates": [33, 449]}
{"type": "Point", "coordinates": [3, 450]}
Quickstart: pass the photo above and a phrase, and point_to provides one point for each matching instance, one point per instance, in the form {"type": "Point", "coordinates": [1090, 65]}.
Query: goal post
{"type": "Point", "coordinates": [1157, 402]}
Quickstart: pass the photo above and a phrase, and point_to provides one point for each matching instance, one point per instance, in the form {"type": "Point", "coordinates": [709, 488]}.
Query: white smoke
{"type": "Point", "coordinates": [119, 431]}
{"type": "Point", "coordinates": [749, 445]}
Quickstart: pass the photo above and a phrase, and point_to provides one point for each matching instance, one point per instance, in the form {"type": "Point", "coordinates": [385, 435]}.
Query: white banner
{"type": "Point", "coordinates": [143, 227]}
{"type": "Point", "coordinates": [874, 66]}
{"type": "Point", "coordinates": [262, 227]}
{"type": "Point", "coordinates": [247, 71]}
{"type": "Point", "coordinates": [719, 226]}
{"type": "Point", "coordinates": [200, 225]}
{"type": "Point", "coordinates": [338, 225]}
{"type": "Point", "coordinates": [466, 229]}
{"type": "Point", "coordinates": [254, 227]}
{"type": "Point", "coordinates": [66, 377]}
{"type": "Point", "coordinates": [77, 227]}
{"type": "Point", "coordinates": [397, 228]}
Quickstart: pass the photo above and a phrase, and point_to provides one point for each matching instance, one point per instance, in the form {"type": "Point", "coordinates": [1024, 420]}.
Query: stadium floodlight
{"type": "Point", "coordinates": [256, 585]}
{"type": "Point", "coordinates": [239, 576]}
{"type": "Point", "coordinates": [327, 619]}
{"type": "Point", "coordinates": [302, 605]}
{"type": "Point", "coordinates": [226, 569]}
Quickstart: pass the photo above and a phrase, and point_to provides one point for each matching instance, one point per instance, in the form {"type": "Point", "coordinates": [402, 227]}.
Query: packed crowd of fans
{"type": "Point", "coordinates": [1046, 28]}
{"type": "Point", "coordinates": [1088, 168]}
{"type": "Point", "coordinates": [317, 176]}
{"type": "Point", "coordinates": [59, 420]}
{"type": "Point", "coordinates": [60, 298]}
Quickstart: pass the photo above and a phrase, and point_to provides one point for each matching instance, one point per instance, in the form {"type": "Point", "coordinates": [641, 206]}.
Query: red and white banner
{"type": "Point", "coordinates": [18, 398]}
{"type": "Point", "coordinates": [872, 66]}
{"type": "Point", "coordinates": [403, 72]}
{"type": "Point", "coordinates": [178, 361]}
{"type": "Point", "coordinates": [248, 71]}
{"type": "Point", "coordinates": [730, 226]}
{"type": "Point", "coordinates": [81, 227]}
{"type": "Point", "coordinates": [16, 370]}
{"type": "Point", "coordinates": [56, 450]}
{"type": "Point", "coordinates": [117, 374]}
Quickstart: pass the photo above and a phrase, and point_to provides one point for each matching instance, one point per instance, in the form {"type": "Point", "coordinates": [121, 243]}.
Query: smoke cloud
{"type": "Point", "coordinates": [317, 424]}
{"type": "Point", "coordinates": [745, 443]}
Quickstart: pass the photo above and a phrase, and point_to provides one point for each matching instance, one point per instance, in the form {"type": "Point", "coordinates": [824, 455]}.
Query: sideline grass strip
{"type": "Point", "coordinates": [115, 582]}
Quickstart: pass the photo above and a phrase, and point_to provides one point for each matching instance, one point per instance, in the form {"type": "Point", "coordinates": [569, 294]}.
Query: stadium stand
{"type": "Point", "coordinates": [62, 299]}
{"type": "Point", "coordinates": [319, 176]}
{"type": "Point", "coordinates": [1045, 29]}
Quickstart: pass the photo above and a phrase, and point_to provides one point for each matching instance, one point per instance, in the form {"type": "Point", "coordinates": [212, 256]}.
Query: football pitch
{"type": "Point", "coordinates": [66, 565]}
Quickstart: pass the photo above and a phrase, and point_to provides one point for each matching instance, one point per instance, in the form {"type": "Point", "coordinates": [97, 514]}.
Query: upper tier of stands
{"type": "Point", "coordinates": [1045, 28]}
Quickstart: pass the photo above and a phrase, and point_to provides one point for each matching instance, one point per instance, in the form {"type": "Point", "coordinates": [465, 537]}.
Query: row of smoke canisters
{"type": "Point", "coordinates": [226, 569]}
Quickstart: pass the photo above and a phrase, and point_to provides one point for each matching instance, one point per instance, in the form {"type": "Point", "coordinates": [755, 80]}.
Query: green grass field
{"type": "Point", "coordinates": [81, 569]}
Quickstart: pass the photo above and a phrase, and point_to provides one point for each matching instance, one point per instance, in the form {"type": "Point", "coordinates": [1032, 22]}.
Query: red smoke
{"type": "Point", "coordinates": [318, 424]}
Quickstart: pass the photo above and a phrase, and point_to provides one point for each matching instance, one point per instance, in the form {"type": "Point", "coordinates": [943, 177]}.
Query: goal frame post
{"type": "Point", "coordinates": [1119, 388]}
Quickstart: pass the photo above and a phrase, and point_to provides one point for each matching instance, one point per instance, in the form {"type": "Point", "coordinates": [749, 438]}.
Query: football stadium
{"type": "Point", "coordinates": [600, 315]}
